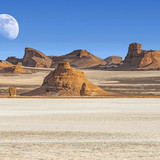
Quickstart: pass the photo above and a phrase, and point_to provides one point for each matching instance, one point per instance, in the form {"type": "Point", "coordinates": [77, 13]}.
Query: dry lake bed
{"type": "Point", "coordinates": [78, 129]}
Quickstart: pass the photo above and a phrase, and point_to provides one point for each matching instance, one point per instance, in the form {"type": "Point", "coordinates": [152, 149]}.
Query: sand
{"type": "Point", "coordinates": [132, 83]}
{"type": "Point", "coordinates": [92, 129]}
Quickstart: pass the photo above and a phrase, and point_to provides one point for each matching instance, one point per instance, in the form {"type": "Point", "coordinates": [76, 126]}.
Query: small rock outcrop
{"type": "Point", "coordinates": [138, 58]}
{"type": "Point", "coordinates": [14, 69]}
{"type": "Point", "coordinates": [34, 58]}
{"type": "Point", "coordinates": [78, 58]}
{"type": "Point", "coordinates": [18, 69]}
{"type": "Point", "coordinates": [14, 60]}
{"type": "Point", "coordinates": [67, 81]}
{"type": "Point", "coordinates": [113, 60]}
{"type": "Point", "coordinates": [5, 64]}
{"type": "Point", "coordinates": [12, 91]}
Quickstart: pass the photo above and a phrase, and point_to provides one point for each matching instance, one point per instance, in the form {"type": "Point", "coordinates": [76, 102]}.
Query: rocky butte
{"type": "Point", "coordinates": [78, 58]}
{"type": "Point", "coordinates": [138, 58]}
{"type": "Point", "coordinates": [67, 81]}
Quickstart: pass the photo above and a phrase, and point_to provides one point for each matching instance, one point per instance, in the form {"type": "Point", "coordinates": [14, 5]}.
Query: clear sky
{"type": "Point", "coordinates": [103, 27]}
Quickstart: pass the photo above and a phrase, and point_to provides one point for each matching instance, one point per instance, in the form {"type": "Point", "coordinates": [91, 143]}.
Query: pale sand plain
{"type": "Point", "coordinates": [78, 129]}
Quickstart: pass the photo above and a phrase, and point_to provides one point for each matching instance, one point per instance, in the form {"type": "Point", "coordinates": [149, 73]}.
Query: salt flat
{"type": "Point", "coordinates": [126, 128]}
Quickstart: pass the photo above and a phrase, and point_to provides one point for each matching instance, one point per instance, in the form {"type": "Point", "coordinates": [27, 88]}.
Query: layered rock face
{"type": "Point", "coordinates": [5, 64]}
{"type": "Point", "coordinates": [14, 60]}
{"type": "Point", "coordinates": [141, 59]}
{"type": "Point", "coordinates": [34, 58]}
{"type": "Point", "coordinates": [67, 81]}
{"type": "Point", "coordinates": [78, 58]}
{"type": "Point", "coordinates": [113, 60]}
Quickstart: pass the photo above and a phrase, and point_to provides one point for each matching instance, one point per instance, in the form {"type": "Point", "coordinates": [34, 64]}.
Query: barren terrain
{"type": "Point", "coordinates": [66, 129]}
{"type": "Point", "coordinates": [133, 83]}
{"type": "Point", "coordinates": [92, 129]}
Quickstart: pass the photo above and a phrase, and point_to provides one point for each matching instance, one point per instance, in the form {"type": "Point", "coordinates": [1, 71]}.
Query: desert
{"type": "Point", "coordinates": [79, 80]}
{"type": "Point", "coordinates": [124, 83]}
{"type": "Point", "coordinates": [80, 129]}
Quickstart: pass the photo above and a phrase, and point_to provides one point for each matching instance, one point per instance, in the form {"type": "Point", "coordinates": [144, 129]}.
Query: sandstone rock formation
{"type": "Point", "coordinates": [113, 60]}
{"type": "Point", "coordinates": [141, 59]}
{"type": "Point", "coordinates": [78, 58]}
{"type": "Point", "coordinates": [12, 91]}
{"type": "Point", "coordinates": [5, 64]}
{"type": "Point", "coordinates": [34, 58]}
{"type": "Point", "coordinates": [14, 69]}
{"type": "Point", "coordinates": [67, 81]}
{"type": "Point", "coordinates": [18, 69]}
{"type": "Point", "coordinates": [14, 60]}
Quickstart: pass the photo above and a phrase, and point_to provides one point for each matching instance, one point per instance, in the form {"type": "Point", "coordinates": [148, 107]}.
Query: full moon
{"type": "Point", "coordinates": [9, 27]}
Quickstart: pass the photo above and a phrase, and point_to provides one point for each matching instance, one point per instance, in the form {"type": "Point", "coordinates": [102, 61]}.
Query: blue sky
{"type": "Point", "coordinates": [103, 27]}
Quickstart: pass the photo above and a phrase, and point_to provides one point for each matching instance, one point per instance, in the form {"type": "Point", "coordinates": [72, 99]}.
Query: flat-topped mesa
{"type": "Point", "coordinates": [67, 81]}
{"type": "Point", "coordinates": [34, 58]}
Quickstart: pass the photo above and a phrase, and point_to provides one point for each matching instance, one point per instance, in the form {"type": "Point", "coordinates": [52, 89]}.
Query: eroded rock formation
{"type": "Point", "coordinates": [113, 60]}
{"type": "Point", "coordinates": [14, 60]}
{"type": "Point", "coordinates": [67, 81]}
{"type": "Point", "coordinates": [5, 64]}
{"type": "Point", "coordinates": [34, 58]}
{"type": "Point", "coordinates": [14, 69]}
{"type": "Point", "coordinates": [12, 91]}
{"type": "Point", "coordinates": [78, 58]}
{"type": "Point", "coordinates": [138, 58]}
{"type": "Point", "coordinates": [18, 69]}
